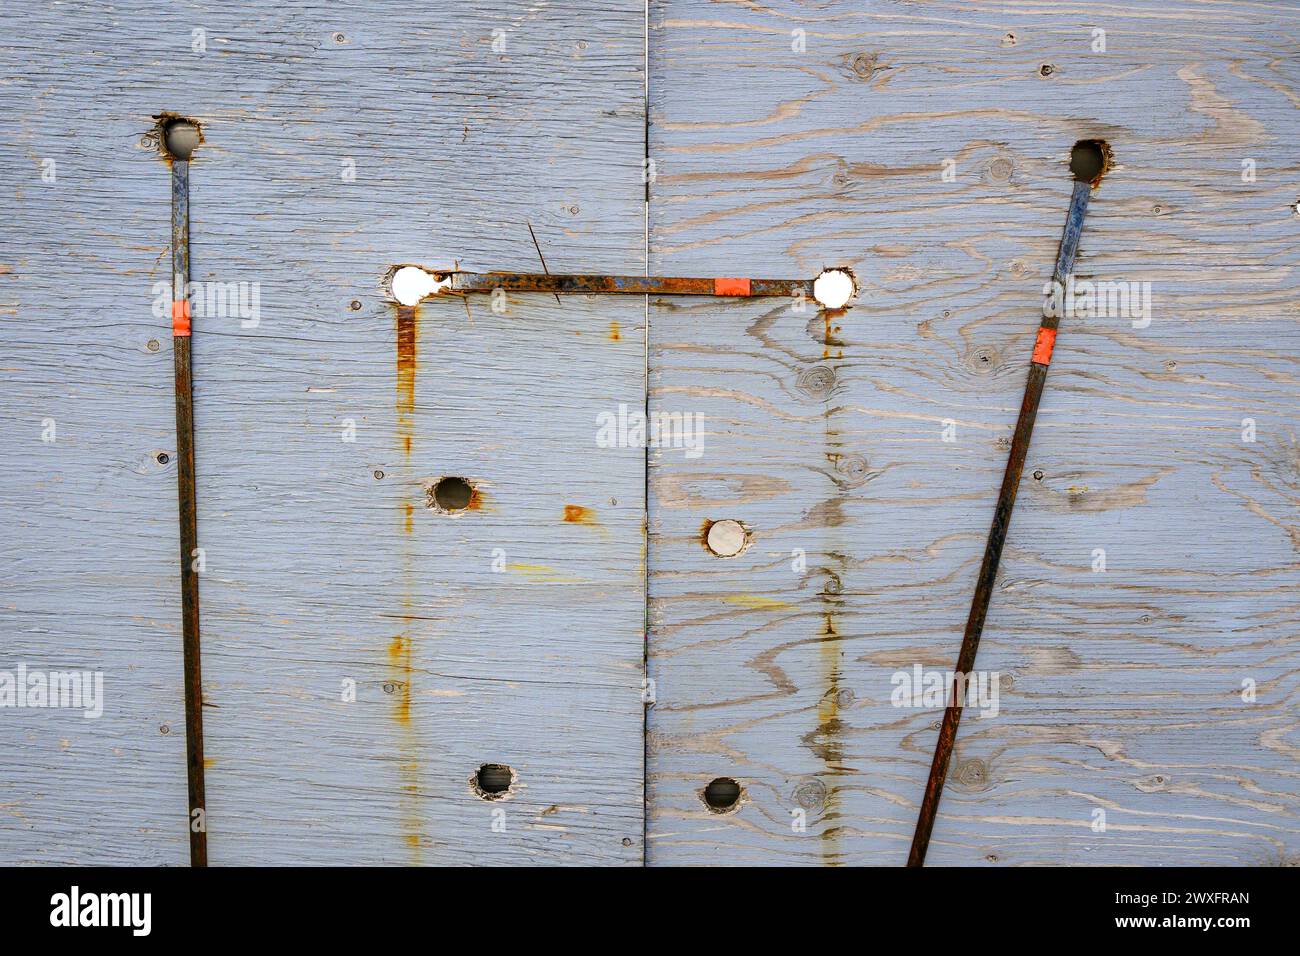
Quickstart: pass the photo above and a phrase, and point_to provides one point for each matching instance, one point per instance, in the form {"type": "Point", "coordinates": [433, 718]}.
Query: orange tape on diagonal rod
{"type": "Point", "coordinates": [731, 287]}
{"type": "Point", "coordinates": [1043, 347]}
{"type": "Point", "coordinates": [181, 317]}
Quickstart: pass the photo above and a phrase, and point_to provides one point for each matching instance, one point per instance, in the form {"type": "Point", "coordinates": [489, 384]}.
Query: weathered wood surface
{"type": "Point", "coordinates": [317, 571]}
{"type": "Point", "coordinates": [1121, 690]}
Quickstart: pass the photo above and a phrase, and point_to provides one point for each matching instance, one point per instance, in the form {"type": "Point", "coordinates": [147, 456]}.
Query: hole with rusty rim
{"type": "Point", "coordinates": [492, 781]}
{"type": "Point", "coordinates": [451, 494]}
{"type": "Point", "coordinates": [411, 285]}
{"type": "Point", "coordinates": [834, 288]}
{"type": "Point", "coordinates": [180, 137]}
{"type": "Point", "coordinates": [726, 538]}
{"type": "Point", "coordinates": [1090, 159]}
{"type": "Point", "coordinates": [722, 795]}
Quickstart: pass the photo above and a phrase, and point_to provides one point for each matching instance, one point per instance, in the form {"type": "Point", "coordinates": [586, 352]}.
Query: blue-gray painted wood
{"type": "Point", "coordinates": [317, 572]}
{"type": "Point", "coordinates": [1122, 689]}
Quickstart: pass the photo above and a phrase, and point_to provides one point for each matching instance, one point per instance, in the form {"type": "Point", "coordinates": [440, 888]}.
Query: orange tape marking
{"type": "Point", "coordinates": [181, 318]}
{"type": "Point", "coordinates": [1043, 347]}
{"type": "Point", "coordinates": [731, 287]}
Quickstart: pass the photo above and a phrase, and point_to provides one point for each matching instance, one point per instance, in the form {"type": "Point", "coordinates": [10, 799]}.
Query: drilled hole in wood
{"type": "Point", "coordinates": [410, 284]}
{"type": "Point", "coordinates": [180, 137]}
{"type": "Point", "coordinates": [721, 795]}
{"type": "Point", "coordinates": [451, 494]}
{"type": "Point", "coordinates": [492, 781]}
{"type": "Point", "coordinates": [725, 538]}
{"type": "Point", "coordinates": [833, 288]}
{"type": "Point", "coordinates": [1090, 160]}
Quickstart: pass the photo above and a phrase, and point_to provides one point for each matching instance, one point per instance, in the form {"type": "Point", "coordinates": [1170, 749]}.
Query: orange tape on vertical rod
{"type": "Point", "coordinates": [181, 317]}
{"type": "Point", "coordinates": [1043, 347]}
{"type": "Point", "coordinates": [731, 287]}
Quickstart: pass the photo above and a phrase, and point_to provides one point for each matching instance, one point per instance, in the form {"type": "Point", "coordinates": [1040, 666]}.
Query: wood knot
{"type": "Point", "coordinates": [973, 775]}
{"type": "Point", "coordinates": [811, 795]}
{"type": "Point", "coordinates": [817, 381]}
{"type": "Point", "coordinates": [851, 471]}
{"type": "Point", "coordinates": [1001, 168]}
{"type": "Point", "coordinates": [863, 65]}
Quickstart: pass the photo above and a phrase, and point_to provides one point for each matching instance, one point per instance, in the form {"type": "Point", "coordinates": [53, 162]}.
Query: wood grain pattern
{"type": "Point", "coordinates": [1121, 690]}
{"type": "Point", "coordinates": [317, 571]}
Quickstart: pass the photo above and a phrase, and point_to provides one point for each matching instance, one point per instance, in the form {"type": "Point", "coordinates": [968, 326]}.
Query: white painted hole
{"type": "Point", "coordinates": [833, 288]}
{"type": "Point", "coordinates": [410, 284]}
{"type": "Point", "coordinates": [726, 538]}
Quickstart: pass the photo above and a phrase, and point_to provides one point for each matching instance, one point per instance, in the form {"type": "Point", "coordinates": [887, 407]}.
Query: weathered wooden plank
{"type": "Point", "coordinates": [317, 570]}
{"type": "Point", "coordinates": [1120, 690]}
{"type": "Point", "coordinates": [88, 552]}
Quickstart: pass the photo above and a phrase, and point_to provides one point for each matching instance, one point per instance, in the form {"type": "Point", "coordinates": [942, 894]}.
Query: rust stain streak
{"type": "Point", "coordinates": [615, 333]}
{"type": "Point", "coordinates": [401, 648]}
{"type": "Point", "coordinates": [577, 514]}
{"type": "Point", "coordinates": [399, 654]}
{"type": "Point", "coordinates": [407, 327]}
{"type": "Point", "coordinates": [829, 733]}
{"type": "Point", "coordinates": [830, 746]}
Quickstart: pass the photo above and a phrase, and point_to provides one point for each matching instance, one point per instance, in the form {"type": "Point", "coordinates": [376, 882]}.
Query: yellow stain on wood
{"type": "Point", "coordinates": [614, 332]}
{"type": "Point", "coordinates": [399, 653]}
{"type": "Point", "coordinates": [758, 602]}
{"type": "Point", "coordinates": [542, 574]}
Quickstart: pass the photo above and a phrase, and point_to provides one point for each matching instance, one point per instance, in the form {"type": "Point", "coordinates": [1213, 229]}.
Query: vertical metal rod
{"type": "Point", "coordinates": [189, 535]}
{"type": "Point", "coordinates": [1041, 358]}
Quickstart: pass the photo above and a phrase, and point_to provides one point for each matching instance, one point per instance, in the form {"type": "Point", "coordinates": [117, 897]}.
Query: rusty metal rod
{"type": "Point", "coordinates": [632, 285]}
{"type": "Point", "coordinates": [188, 510]}
{"type": "Point", "coordinates": [1041, 358]}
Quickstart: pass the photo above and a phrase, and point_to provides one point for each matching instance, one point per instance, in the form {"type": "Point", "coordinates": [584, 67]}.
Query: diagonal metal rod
{"type": "Point", "coordinates": [1041, 358]}
{"type": "Point", "coordinates": [189, 535]}
{"type": "Point", "coordinates": [632, 285]}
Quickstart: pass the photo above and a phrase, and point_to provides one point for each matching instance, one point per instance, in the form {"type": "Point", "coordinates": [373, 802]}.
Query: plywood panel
{"type": "Point", "coordinates": [340, 142]}
{"type": "Point", "coordinates": [1120, 690]}
{"type": "Point", "coordinates": [89, 548]}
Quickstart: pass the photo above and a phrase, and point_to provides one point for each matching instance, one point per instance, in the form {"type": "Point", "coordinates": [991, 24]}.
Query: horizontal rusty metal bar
{"type": "Point", "coordinates": [631, 285]}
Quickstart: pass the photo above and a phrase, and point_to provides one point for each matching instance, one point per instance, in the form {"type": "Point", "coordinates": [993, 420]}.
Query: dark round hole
{"type": "Point", "coordinates": [1088, 160]}
{"type": "Point", "coordinates": [452, 494]}
{"type": "Point", "coordinates": [721, 794]}
{"type": "Point", "coordinates": [181, 137]}
{"type": "Point", "coordinates": [493, 779]}
{"type": "Point", "coordinates": [163, 458]}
